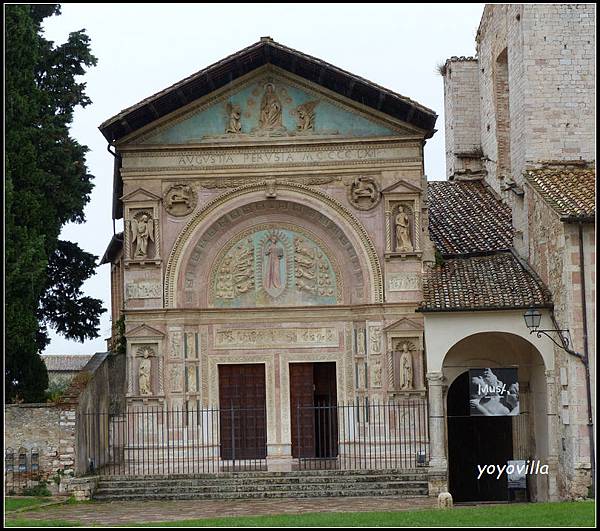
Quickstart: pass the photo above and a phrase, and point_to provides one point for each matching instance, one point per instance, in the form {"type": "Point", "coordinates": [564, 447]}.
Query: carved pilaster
{"type": "Point", "coordinates": [388, 231]}
{"type": "Point", "coordinates": [127, 239]}
{"type": "Point", "coordinates": [390, 372]}
{"type": "Point", "coordinates": [156, 239]}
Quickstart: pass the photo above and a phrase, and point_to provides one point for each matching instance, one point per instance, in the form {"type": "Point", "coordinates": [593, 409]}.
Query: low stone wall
{"type": "Point", "coordinates": [47, 429]}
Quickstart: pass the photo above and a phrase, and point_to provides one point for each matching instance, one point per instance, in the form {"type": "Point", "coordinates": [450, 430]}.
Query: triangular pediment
{"type": "Point", "coordinates": [144, 330]}
{"type": "Point", "coordinates": [267, 52]}
{"type": "Point", "coordinates": [140, 194]}
{"type": "Point", "coordinates": [268, 106]}
{"type": "Point", "coordinates": [404, 324]}
{"type": "Point", "coordinates": [402, 187]}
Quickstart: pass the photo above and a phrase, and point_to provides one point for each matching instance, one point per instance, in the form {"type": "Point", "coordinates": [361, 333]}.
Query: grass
{"type": "Point", "coordinates": [12, 504]}
{"type": "Point", "coordinates": [565, 514]}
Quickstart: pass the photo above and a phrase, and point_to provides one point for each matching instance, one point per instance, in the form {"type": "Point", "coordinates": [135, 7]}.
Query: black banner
{"type": "Point", "coordinates": [494, 392]}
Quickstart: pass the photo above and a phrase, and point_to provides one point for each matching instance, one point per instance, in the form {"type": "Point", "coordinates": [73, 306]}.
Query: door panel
{"type": "Point", "coordinates": [303, 415]}
{"type": "Point", "coordinates": [242, 400]}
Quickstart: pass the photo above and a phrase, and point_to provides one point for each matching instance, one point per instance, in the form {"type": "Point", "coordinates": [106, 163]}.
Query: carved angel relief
{"type": "Point", "coordinates": [312, 270]}
{"type": "Point", "coordinates": [305, 115]}
{"type": "Point", "coordinates": [234, 114]}
{"type": "Point", "coordinates": [403, 230]}
{"type": "Point", "coordinates": [145, 370]}
{"type": "Point", "coordinates": [236, 275]}
{"type": "Point", "coordinates": [142, 229]}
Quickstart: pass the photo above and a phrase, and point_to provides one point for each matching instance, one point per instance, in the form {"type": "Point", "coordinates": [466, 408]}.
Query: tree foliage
{"type": "Point", "coordinates": [46, 185]}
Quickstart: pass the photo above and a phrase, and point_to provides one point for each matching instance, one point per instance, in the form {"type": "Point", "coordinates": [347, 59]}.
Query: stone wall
{"type": "Point", "coordinates": [554, 254]}
{"type": "Point", "coordinates": [43, 427]}
{"type": "Point", "coordinates": [461, 110]}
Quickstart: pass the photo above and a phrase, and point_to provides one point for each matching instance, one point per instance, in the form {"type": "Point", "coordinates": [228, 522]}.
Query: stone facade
{"type": "Point", "coordinates": [284, 223]}
{"type": "Point", "coordinates": [535, 72]}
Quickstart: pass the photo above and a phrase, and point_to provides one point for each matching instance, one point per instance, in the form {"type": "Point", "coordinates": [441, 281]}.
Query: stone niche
{"type": "Point", "coordinates": [145, 365]}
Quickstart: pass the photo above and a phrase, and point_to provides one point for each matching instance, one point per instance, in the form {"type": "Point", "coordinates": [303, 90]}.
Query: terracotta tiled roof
{"type": "Point", "coordinates": [65, 362]}
{"type": "Point", "coordinates": [465, 218]}
{"type": "Point", "coordinates": [496, 281]}
{"type": "Point", "coordinates": [569, 190]}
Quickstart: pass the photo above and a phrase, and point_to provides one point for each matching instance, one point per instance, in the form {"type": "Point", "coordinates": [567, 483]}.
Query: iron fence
{"type": "Point", "coordinates": [21, 468]}
{"type": "Point", "coordinates": [362, 435]}
{"type": "Point", "coordinates": [211, 440]}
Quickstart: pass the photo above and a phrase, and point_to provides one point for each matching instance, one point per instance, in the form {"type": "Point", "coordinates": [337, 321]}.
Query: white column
{"type": "Point", "coordinates": [437, 439]}
{"type": "Point", "coordinates": [551, 416]}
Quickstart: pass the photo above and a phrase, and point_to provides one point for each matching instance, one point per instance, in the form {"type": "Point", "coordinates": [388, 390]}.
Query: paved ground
{"type": "Point", "coordinates": [120, 513]}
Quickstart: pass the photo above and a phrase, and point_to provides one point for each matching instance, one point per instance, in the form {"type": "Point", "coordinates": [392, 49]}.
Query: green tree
{"type": "Point", "coordinates": [46, 186]}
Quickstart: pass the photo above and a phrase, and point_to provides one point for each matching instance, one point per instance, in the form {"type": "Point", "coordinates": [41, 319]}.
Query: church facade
{"type": "Point", "coordinates": [282, 249]}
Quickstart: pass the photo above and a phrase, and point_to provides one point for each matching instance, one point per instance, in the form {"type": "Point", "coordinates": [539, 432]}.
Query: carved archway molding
{"type": "Point", "coordinates": [180, 246]}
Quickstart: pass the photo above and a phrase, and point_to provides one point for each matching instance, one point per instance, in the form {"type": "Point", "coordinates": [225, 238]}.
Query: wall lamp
{"type": "Point", "coordinates": [533, 318]}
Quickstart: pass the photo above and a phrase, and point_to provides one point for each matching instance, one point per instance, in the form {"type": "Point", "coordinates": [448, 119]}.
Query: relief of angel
{"type": "Point", "coordinates": [142, 229]}
{"type": "Point", "coordinates": [306, 115]}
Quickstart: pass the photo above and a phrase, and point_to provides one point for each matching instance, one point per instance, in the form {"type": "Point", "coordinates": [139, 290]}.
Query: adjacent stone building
{"type": "Point", "coordinates": [520, 120]}
{"type": "Point", "coordinates": [62, 368]}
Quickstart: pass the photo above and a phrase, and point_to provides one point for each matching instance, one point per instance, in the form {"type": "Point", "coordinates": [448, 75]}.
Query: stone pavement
{"type": "Point", "coordinates": [123, 513]}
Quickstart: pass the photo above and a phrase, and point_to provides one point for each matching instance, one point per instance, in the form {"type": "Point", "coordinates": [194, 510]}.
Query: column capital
{"type": "Point", "coordinates": [436, 378]}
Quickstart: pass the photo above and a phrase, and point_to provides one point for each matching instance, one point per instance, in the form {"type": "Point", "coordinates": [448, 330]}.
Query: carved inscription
{"type": "Point", "coordinates": [276, 337]}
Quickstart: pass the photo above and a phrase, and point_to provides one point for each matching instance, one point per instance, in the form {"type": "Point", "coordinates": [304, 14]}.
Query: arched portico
{"type": "Point", "coordinates": [459, 341]}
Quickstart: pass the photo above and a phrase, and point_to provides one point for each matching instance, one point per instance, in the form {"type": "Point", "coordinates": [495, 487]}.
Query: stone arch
{"type": "Point", "coordinates": [529, 433]}
{"type": "Point", "coordinates": [329, 213]}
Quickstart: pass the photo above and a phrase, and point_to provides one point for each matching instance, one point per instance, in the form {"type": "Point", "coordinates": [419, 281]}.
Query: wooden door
{"type": "Point", "coordinates": [302, 392]}
{"type": "Point", "coordinates": [326, 422]}
{"type": "Point", "coordinates": [242, 401]}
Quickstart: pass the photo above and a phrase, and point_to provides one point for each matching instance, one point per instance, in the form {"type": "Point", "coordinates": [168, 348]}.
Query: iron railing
{"type": "Point", "coordinates": [211, 440]}
{"type": "Point", "coordinates": [362, 435]}
{"type": "Point", "coordinates": [21, 467]}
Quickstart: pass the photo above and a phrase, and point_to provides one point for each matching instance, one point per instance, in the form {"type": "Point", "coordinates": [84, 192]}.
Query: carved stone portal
{"type": "Point", "coordinates": [364, 193]}
{"type": "Point", "coordinates": [180, 200]}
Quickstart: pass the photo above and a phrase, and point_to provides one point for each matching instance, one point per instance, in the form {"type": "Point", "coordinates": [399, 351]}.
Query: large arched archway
{"type": "Point", "coordinates": [329, 226]}
{"type": "Point", "coordinates": [494, 440]}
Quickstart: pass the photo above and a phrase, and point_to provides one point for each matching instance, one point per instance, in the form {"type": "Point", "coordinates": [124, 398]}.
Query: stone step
{"type": "Point", "coordinates": [265, 474]}
{"type": "Point", "coordinates": [400, 485]}
{"type": "Point", "coordinates": [266, 494]}
{"type": "Point", "coordinates": [296, 480]}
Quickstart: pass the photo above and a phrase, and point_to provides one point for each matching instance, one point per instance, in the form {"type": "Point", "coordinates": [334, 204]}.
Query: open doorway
{"type": "Point", "coordinates": [472, 441]}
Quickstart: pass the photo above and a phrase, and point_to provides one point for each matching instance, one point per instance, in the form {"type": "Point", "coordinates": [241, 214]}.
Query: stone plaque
{"type": "Point", "coordinates": [144, 289]}
{"type": "Point", "coordinates": [276, 337]}
{"type": "Point", "coordinates": [404, 282]}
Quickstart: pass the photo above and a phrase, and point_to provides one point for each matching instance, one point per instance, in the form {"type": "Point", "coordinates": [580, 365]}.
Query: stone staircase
{"type": "Point", "coordinates": [301, 484]}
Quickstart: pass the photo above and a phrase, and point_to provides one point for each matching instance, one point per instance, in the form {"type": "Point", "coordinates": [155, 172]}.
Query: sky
{"type": "Point", "coordinates": [144, 48]}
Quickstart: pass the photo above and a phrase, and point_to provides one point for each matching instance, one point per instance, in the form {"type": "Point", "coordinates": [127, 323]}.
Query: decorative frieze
{"type": "Point", "coordinates": [253, 338]}
{"type": "Point", "coordinates": [404, 282]}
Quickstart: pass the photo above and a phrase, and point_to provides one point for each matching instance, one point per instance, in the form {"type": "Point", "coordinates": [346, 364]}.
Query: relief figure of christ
{"type": "Point", "coordinates": [275, 254]}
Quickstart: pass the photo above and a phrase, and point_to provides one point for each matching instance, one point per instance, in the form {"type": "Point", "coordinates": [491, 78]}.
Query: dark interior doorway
{"type": "Point", "coordinates": [242, 400]}
{"type": "Point", "coordinates": [473, 441]}
{"type": "Point", "coordinates": [313, 404]}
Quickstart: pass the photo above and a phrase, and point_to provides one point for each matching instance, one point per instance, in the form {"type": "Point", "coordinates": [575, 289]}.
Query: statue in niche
{"type": "Point", "coordinates": [270, 110]}
{"type": "Point", "coordinates": [142, 228]}
{"type": "Point", "coordinates": [406, 368]}
{"type": "Point", "coordinates": [275, 255]}
{"type": "Point", "coordinates": [145, 387]}
{"type": "Point", "coordinates": [305, 115]}
{"type": "Point", "coordinates": [234, 114]}
{"type": "Point", "coordinates": [403, 239]}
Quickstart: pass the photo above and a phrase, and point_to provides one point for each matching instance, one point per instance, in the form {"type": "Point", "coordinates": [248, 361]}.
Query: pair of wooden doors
{"type": "Point", "coordinates": [313, 405]}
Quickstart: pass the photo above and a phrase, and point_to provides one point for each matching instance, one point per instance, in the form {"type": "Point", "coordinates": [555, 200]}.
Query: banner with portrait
{"type": "Point", "coordinates": [494, 392]}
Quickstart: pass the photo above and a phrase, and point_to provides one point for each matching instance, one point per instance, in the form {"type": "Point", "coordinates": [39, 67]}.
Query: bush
{"type": "Point", "coordinates": [38, 490]}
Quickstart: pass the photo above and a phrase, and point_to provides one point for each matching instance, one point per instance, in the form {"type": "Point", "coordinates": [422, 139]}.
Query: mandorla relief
{"type": "Point", "coordinates": [270, 265]}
